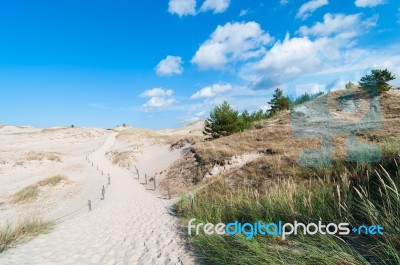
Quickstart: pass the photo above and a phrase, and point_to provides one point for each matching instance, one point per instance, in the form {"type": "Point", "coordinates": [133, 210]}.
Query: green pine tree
{"type": "Point", "coordinates": [278, 102]}
{"type": "Point", "coordinates": [223, 121]}
{"type": "Point", "coordinates": [377, 80]}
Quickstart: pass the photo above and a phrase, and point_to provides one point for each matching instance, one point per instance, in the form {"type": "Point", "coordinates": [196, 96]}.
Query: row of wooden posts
{"type": "Point", "coordinates": [136, 172]}
{"type": "Point", "coordinates": [103, 189]}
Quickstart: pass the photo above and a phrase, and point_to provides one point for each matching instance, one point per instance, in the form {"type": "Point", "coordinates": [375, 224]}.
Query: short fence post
{"type": "Point", "coordinates": [103, 193]}
{"type": "Point", "coordinates": [191, 200]}
{"type": "Point", "coordinates": [109, 181]}
{"type": "Point", "coordinates": [89, 205]}
{"type": "Point", "coordinates": [145, 178]}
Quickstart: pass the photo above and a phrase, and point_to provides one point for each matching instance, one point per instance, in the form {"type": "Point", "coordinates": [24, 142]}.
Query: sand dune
{"type": "Point", "coordinates": [131, 226]}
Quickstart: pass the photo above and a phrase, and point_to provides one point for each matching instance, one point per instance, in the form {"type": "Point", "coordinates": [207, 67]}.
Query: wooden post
{"type": "Point", "coordinates": [145, 178]}
{"type": "Point", "coordinates": [109, 180]}
{"type": "Point", "coordinates": [103, 193]}
{"type": "Point", "coordinates": [89, 205]}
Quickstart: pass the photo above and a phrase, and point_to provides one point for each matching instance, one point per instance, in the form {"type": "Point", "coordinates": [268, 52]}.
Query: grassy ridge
{"type": "Point", "coordinates": [357, 193]}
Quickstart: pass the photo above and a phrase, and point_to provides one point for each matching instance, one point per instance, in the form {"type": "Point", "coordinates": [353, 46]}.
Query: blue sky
{"type": "Point", "coordinates": [161, 64]}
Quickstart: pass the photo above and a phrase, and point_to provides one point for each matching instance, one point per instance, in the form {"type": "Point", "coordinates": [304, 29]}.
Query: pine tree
{"type": "Point", "coordinates": [223, 121]}
{"type": "Point", "coordinates": [278, 102]}
{"type": "Point", "coordinates": [377, 80]}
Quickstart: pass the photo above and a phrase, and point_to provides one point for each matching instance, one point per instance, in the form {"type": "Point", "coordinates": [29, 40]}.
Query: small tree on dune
{"type": "Point", "coordinates": [278, 102]}
{"type": "Point", "coordinates": [377, 79]}
{"type": "Point", "coordinates": [223, 121]}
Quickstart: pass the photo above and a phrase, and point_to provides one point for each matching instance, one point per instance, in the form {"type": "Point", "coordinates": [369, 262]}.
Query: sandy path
{"type": "Point", "coordinates": [131, 226]}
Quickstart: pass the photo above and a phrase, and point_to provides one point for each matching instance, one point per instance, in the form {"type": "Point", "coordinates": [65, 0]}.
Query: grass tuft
{"type": "Point", "coordinates": [28, 227]}
{"type": "Point", "coordinates": [52, 180]}
{"type": "Point", "coordinates": [31, 192]}
{"type": "Point", "coordinates": [26, 194]}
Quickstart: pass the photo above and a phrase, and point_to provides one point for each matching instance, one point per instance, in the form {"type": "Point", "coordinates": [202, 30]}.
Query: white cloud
{"type": "Point", "coordinates": [217, 6]}
{"type": "Point", "coordinates": [312, 88]}
{"type": "Point", "coordinates": [283, 2]}
{"type": "Point", "coordinates": [285, 60]}
{"type": "Point", "coordinates": [170, 65]}
{"type": "Point", "coordinates": [308, 8]}
{"type": "Point", "coordinates": [159, 98]}
{"type": "Point", "coordinates": [368, 3]}
{"type": "Point", "coordinates": [243, 12]}
{"type": "Point", "coordinates": [340, 25]}
{"type": "Point", "coordinates": [157, 92]}
{"type": "Point", "coordinates": [212, 91]}
{"type": "Point", "coordinates": [182, 7]}
{"type": "Point", "coordinates": [230, 43]}
{"type": "Point", "coordinates": [158, 102]}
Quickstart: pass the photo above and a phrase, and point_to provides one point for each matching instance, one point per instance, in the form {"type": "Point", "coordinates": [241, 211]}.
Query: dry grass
{"type": "Point", "coordinates": [52, 180]}
{"type": "Point", "coordinates": [31, 192]}
{"type": "Point", "coordinates": [275, 136]}
{"type": "Point", "coordinates": [39, 156]}
{"type": "Point", "coordinates": [28, 227]}
{"type": "Point", "coordinates": [28, 193]}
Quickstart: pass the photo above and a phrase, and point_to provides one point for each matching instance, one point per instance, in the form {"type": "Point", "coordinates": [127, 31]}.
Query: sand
{"type": "Point", "coordinates": [130, 226]}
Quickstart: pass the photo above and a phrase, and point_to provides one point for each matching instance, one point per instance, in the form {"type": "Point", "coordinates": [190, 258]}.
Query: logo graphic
{"type": "Point", "coordinates": [345, 112]}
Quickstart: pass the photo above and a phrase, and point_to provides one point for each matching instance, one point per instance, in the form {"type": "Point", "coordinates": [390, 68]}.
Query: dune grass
{"type": "Point", "coordinates": [52, 180]}
{"type": "Point", "coordinates": [31, 192]}
{"type": "Point", "coordinates": [357, 193]}
{"type": "Point", "coordinates": [25, 228]}
{"type": "Point", "coordinates": [28, 193]}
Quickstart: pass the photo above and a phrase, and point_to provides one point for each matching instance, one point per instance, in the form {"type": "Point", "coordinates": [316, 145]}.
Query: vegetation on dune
{"type": "Point", "coordinates": [224, 120]}
{"type": "Point", "coordinates": [360, 194]}
{"type": "Point", "coordinates": [52, 180]}
{"type": "Point", "coordinates": [278, 102]}
{"type": "Point", "coordinates": [275, 188]}
{"type": "Point", "coordinates": [377, 80]}
{"type": "Point", "coordinates": [12, 233]}
{"type": "Point", "coordinates": [26, 194]}
{"type": "Point", "coordinates": [31, 192]}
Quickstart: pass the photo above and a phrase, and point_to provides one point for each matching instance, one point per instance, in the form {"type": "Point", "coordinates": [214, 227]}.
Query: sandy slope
{"type": "Point", "coordinates": [131, 226]}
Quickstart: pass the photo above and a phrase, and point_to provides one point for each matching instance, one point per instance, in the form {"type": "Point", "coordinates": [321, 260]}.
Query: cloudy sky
{"type": "Point", "coordinates": [163, 63]}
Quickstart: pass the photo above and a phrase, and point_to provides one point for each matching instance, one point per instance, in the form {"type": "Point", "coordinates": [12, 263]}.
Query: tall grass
{"type": "Point", "coordinates": [357, 193]}
{"type": "Point", "coordinates": [27, 227]}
